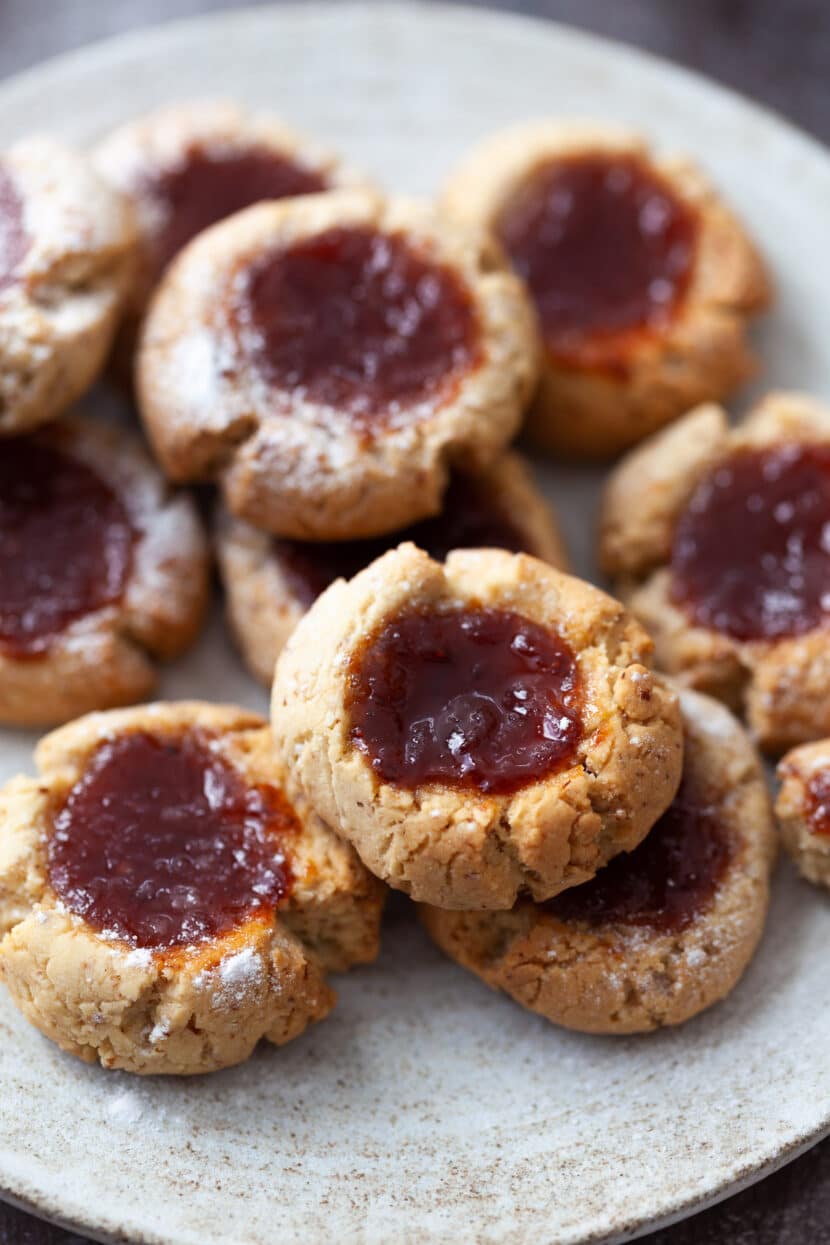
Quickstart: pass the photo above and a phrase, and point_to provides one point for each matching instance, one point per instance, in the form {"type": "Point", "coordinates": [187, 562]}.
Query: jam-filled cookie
{"type": "Point", "coordinates": [803, 809]}
{"type": "Point", "coordinates": [163, 905]}
{"type": "Point", "coordinates": [329, 359]}
{"type": "Point", "coordinates": [660, 933]}
{"type": "Point", "coordinates": [643, 280]}
{"type": "Point", "coordinates": [66, 246]}
{"type": "Point", "coordinates": [270, 583]}
{"type": "Point", "coordinates": [103, 572]}
{"type": "Point", "coordinates": [477, 728]}
{"type": "Point", "coordinates": [188, 166]}
{"type": "Point", "coordinates": [718, 540]}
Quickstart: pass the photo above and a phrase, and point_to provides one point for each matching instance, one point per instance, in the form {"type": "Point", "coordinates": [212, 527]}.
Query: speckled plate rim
{"type": "Point", "coordinates": [14, 1185]}
{"type": "Point", "coordinates": [37, 1203]}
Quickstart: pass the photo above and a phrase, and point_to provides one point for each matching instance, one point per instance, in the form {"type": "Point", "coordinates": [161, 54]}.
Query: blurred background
{"type": "Point", "coordinates": [775, 50]}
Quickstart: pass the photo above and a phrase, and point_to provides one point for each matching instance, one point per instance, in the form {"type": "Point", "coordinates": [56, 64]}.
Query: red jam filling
{"type": "Point", "coordinates": [162, 843]}
{"type": "Point", "coordinates": [209, 185]}
{"type": "Point", "coordinates": [478, 698]}
{"type": "Point", "coordinates": [359, 321]}
{"type": "Point", "coordinates": [13, 241]}
{"type": "Point", "coordinates": [751, 553]}
{"type": "Point", "coordinates": [818, 802]}
{"type": "Point", "coordinates": [471, 519]}
{"type": "Point", "coordinates": [607, 250]}
{"type": "Point", "coordinates": [667, 880]}
{"type": "Point", "coordinates": [66, 545]}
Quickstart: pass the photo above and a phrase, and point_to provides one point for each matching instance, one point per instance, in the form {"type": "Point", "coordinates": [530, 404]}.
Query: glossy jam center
{"type": "Point", "coordinates": [471, 518]}
{"type": "Point", "coordinates": [606, 249]}
{"type": "Point", "coordinates": [359, 321]}
{"type": "Point", "coordinates": [479, 698]}
{"type": "Point", "coordinates": [209, 185]}
{"type": "Point", "coordinates": [665, 882]}
{"type": "Point", "coordinates": [66, 544]}
{"type": "Point", "coordinates": [751, 554]}
{"type": "Point", "coordinates": [818, 802]}
{"type": "Point", "coordinates": [162, 843]}
{"type": "Point", "coordinates": [13, 241]}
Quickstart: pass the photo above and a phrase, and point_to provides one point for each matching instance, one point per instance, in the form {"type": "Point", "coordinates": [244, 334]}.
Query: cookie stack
{"type": "Point", "coordinates": [489, 736]}
{"type": "Point", "coordinates": [453, 715]}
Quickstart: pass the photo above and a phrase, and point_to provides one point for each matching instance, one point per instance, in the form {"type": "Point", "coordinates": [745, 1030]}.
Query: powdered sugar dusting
{"type": "Point", "coordinates": [139, 958]}
{"type": "Point", "coordinates": [236, 977]}
{"type": "Point", "coordinates": [125, 1107]}
{"type": "Point", "coordinates": [240, 972]}
{"type": "Point", "coordinates": [159, 1032]}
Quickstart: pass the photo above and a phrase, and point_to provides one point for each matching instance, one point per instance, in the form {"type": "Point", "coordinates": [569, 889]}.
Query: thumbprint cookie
{"type": "Point", "coordinates": [660, 933]}
{"type": "Point", "coordinates": [717, 538]}
{"type": "Point", "coordinates": [186, 167]}
{"type": "Point", "coordinates": [329, 359]}
{"type": "Point", "coordinates": [66, 245]}
{"type": "Point", "coordinates": [271, 582]}
{"type": "Point", "coordinates": [476, 728]}
{"type": "Point", "coordinates": [803, 809]}
{"type": "Point", "coordinates": [103, 572]}
{"type": "Point", "coordinates": [163, 905]}
{"type": "Point", "coordinates": [643, 280]}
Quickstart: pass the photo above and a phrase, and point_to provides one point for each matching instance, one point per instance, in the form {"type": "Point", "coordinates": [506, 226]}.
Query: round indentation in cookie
{"type": "Point", "coordinates": [66, 544]}
{"type": "Point", "coordinates": [13, 241]}
{"type": "Point", "coordinates": [358, 320]}
{"type": "Point", "coordinates": [666, 881]}
{"type": "Point", "coordinates": [476, 697]}
{"type": "Point", "coordinates": [607, 249]}
{"type": "Point", "coordinates": [209, 184]}
{"type": "Point", "coordinates": [471, 518]}
{"type": "Point", "coordinates": [162, 843]}
{"type": "Point", "coordinates": [751, 551]}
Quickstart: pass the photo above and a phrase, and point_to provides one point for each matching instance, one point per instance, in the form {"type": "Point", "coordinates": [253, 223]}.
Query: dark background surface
{"type": "Point", "coordinates": [777, 51]}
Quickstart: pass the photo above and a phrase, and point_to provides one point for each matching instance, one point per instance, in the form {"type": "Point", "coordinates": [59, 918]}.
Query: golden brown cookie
{"type": "Point", "coordinates": [270, 583]}
{"type": "Point", "coordinates": [163, 906]}
{"type": "Point", "coordinates": [716, 540]}
{"type": "Point", "coordinates": [66, 246]}
{"type": "Point", "coordinates": [644, 282]}
{"type": "Point", "coordinates": [103, 572]}
{"type": "Point", "coordinates": [803, 809]}
{"type": "Point", "coordinates": [477, 728]}
{"type": "Point", "coordinates": [658, 935]}
{"type": "Point", "coordinates": [186, 167]}
{"type": "Point", "coordinates": [329, 359]}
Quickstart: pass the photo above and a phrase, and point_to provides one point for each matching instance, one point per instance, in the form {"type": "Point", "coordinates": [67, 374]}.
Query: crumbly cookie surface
{"type": "Point", "coordinates": [702, 352]}
{"type": "Point", "coordinates": [779, 684]}
{"type": "Point", "coordinates": [619, 978]}
{"type": "Point", "coordinates": [311, 471]}
{"type": "Point", "coordinates": [110, 656]}
{"type": "Point", "coordinates": [190, 1009]}
{"type": "Point", "coordinates": [60, 303]}
{"type": "Point", "coordinates": [803, 809]}
{"type": "Point", "coordinates": [264, 603]}
{"type": "Point", "coordinates": [460, 848]}
{"type": "Point", "coordinates": [139, 157]}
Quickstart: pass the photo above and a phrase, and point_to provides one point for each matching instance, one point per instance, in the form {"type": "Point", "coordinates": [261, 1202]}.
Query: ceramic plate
{"type": "Point", "coordinates": [428, 1109]}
